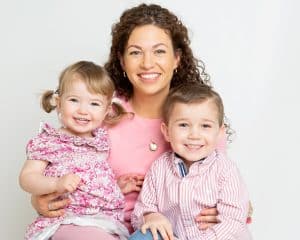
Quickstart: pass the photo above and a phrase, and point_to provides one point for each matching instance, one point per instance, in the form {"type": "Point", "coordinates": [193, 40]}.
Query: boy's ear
{"type": "Point", "coordinates": [165, 132]}
{"type": "Point", "coordinates": [222, 134]}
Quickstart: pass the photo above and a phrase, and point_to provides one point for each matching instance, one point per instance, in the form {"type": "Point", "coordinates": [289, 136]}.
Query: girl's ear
{"type": "Point", "coordinates": [165, 132]}
{"type": "Point", "coordinates": [56, 100]}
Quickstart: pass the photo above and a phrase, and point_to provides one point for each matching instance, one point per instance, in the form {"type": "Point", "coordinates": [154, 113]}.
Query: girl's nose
{"type": "Point", "coordinates": [82, 108]}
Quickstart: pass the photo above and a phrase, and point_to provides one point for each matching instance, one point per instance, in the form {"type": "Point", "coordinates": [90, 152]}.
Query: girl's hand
{"type": "Point", "coordinates": [48, 205]}
{"type": "Point", "coordinates": [207, 218]}
{"type": "Point", "coordinates": [158, 222]}
{"type": "Point", "coordinates": [67, 183]}
{"type": "Point", "coordinates": [130, 183]}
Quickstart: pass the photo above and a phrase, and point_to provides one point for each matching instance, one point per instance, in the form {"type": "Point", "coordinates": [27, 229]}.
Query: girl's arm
{"type": "Point", "coordinates": [32, 178]}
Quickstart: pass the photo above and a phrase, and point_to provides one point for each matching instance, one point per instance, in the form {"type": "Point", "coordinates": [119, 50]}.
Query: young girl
{"type": "Point", "coordinates": [73, 159]}
{"type": "Point", "coordinates": [195, 175]}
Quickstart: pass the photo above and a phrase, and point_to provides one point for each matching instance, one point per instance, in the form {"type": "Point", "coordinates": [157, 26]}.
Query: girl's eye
{"type": "Point", "coordinates": [95, 104]}
{"type": "Point", "coordinates": [183, 125]}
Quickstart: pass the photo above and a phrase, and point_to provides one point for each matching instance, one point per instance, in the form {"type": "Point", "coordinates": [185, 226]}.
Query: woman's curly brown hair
{"type": "Point", "coordinates": [189, 70]}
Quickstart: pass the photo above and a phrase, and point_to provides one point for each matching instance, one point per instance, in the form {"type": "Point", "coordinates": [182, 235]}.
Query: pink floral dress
{"type": "Point", "coordinates": [98, 200]}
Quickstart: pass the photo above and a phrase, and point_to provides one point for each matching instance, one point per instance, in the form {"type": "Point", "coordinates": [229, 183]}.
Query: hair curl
{"type": "Point", "coordinates": [189, 70]}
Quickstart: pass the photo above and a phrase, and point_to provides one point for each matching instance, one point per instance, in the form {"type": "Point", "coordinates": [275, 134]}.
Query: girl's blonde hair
{"type": "Point", "coordinates": [97, 81]}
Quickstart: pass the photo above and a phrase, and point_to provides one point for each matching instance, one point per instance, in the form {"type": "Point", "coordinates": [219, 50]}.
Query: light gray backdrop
{"type": "Point", "coordinates": [251, 50]}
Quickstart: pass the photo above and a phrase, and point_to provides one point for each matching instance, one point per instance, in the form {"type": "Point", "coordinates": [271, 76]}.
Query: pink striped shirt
{"type": "Point", "coordinates": [215, 181]}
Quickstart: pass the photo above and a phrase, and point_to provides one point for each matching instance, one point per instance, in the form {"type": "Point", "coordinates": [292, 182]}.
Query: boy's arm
{"type": "Point", "coordinates": [147, 201]}
{"type": "Point", "coordinates": [233, 205]}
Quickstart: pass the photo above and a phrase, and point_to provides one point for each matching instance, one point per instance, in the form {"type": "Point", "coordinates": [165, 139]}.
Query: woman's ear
{"type": "Point", "coordinates": [121, 59]}
{"type": "Point", "coordinates": [165, 132]}
{"type": "Point", "coordinates": [177, 57]}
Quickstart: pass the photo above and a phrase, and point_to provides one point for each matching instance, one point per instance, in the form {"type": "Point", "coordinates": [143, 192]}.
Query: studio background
{"type": "Point", "coordinates": [250, 48]}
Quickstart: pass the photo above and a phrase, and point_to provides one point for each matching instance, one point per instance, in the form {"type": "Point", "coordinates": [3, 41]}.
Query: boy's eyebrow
{"type": "Point", "coordinates": [186, 119]}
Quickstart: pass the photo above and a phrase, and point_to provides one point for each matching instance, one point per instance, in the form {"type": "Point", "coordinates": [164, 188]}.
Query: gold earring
{"type": "Point", "coordinates": [175, 70]}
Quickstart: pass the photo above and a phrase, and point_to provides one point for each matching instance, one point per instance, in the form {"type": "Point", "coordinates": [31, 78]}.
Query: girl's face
{"type": "Point", "coordinates": [80, 110]}
{"type": "Point", "coordinates": [193, 130]}
{"type": "Point", "coordinates": [149, 60]}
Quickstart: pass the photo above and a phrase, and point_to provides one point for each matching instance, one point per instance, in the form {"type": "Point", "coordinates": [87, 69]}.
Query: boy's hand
{"type": "Point", "coordinates": [158, 222]}
{"type": "Point", "coordinates": [67, 183]}
{"type": "Point", "coordinates": [130, 183]}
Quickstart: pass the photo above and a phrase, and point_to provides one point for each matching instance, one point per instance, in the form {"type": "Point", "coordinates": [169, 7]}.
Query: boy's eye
{"type": "Point", "coordinates": [73, 100]}
{"type": "Point", "coordinates": [206, 126]}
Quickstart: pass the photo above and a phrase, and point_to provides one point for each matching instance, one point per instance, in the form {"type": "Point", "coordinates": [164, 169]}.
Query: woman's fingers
{"type": "Point", "coordinates": [59, 204]}
{"type": "Point", "coordinates": [205, 225]}
{"type": "Point", "coordinates": [208, 215]}
{"type": "Point", "coordinates": [44, 202]}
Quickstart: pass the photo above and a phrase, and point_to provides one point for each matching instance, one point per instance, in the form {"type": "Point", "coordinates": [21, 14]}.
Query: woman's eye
{"type": "Point", "coordinates": [159, 51]}
{"type": "Point", "coordinates": [136, 52]}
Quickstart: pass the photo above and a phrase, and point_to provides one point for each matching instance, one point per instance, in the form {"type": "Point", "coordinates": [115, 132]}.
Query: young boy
{"type": "Point", "coordinates": [192, 177]}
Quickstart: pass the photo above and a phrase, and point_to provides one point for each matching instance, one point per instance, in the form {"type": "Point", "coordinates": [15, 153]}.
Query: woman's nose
{"type": "Point", "coordinates": [147, 61]}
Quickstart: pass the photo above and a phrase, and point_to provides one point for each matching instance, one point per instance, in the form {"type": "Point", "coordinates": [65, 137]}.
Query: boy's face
{"type": "Point", "coordinates": [193, 130]}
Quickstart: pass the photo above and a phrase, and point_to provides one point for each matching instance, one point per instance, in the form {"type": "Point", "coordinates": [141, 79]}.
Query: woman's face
{"type": "Point", "coordinates": [149, 61]}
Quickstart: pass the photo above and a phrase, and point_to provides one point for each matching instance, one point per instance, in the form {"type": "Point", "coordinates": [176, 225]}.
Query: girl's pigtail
{"type": "Point", "coordinates": [48, 102]}
{"type": "Point", "coordinates": [118, 112]}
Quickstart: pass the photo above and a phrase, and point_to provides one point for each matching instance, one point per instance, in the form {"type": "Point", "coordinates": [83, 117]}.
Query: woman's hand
{"type": "Point", "coordinates": [207, 218]}
{"type": "Point", "coordinates": [157, 222]}
{"type": "Point", "coordinates": [130, 182]}
{"type": "Point", "coordinates": [48, 205]}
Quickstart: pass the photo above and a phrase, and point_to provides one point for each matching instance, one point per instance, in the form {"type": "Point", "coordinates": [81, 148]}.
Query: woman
{"type": "Point", "coordinates": [150, 54]}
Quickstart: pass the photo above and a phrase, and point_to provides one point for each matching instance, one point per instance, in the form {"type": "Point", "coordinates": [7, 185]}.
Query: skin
{"type": "Point", "coordinates": [193, 131]}
{"type": "Point", "coordinates": [80, 113]}
{"type": "Point", "coordinates": [149, 61]}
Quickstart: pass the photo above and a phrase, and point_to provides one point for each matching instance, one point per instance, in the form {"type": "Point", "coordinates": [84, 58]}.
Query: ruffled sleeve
{"type": "Point", "coordinates": [45, 146]}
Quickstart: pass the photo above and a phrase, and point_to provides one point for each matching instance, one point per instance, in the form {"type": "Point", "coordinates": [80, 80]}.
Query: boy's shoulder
{"type": "Point", "coordinates": [164, 160]}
